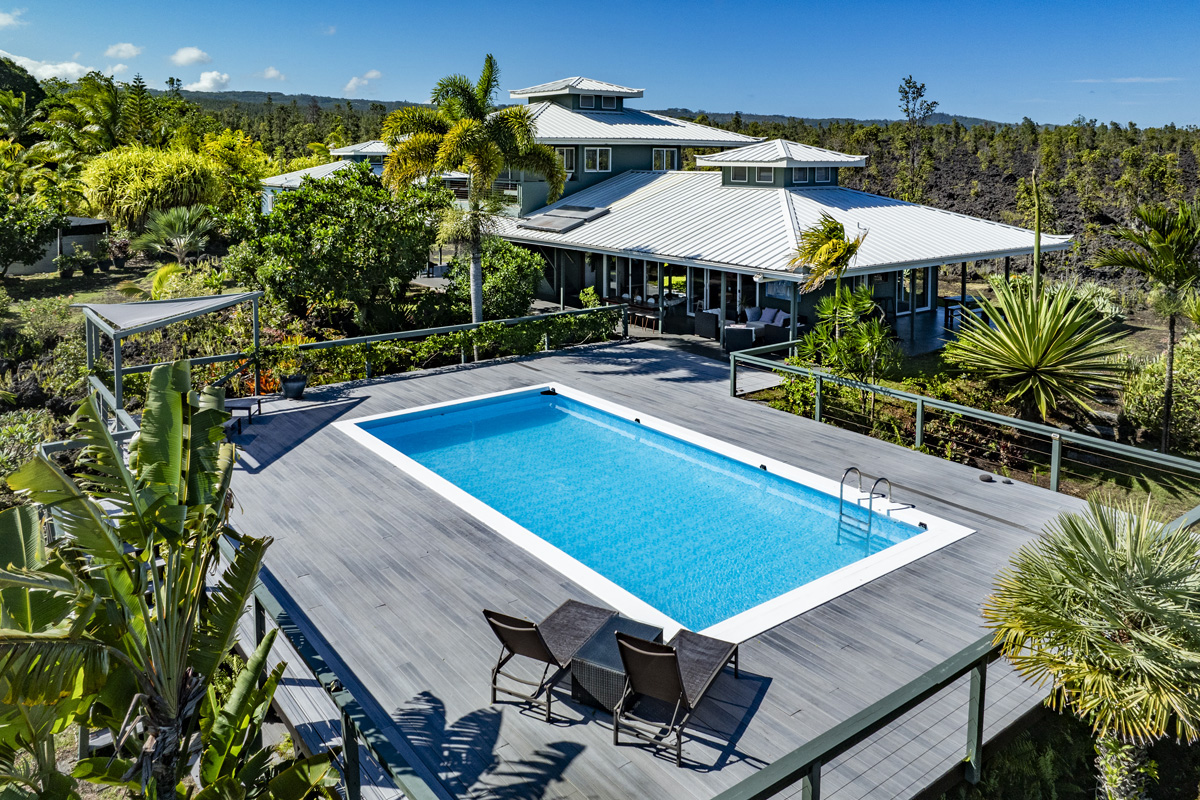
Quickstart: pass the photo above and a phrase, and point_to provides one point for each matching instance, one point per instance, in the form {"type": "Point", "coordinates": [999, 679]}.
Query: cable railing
{"type": "Point", "coordinates": [1057, 459]}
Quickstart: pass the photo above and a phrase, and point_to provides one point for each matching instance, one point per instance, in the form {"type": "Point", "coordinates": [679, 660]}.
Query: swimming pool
{"type": "Point", "coordinates": [665, 524]}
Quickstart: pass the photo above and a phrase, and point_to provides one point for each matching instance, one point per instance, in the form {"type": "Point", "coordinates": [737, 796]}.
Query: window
{"type": "Point", "coordinates": [765, 175]}
{"type": "Point", "coordinates": [567, 154]}
{"type": "Point", "coordinates": [738, 174]}
{"type": "Point", "coordinates": [609, 103]}
{"type": "Point", "coordinates": [597, 159]}
{"type": "Point", "coordinates": [822, 174]}
{"type": "Point", "coordinates": [587, 101]}
{"type": "Point", "coordinates": [664, 159]}
{"type": "Point", "coordinates": [800, 175]}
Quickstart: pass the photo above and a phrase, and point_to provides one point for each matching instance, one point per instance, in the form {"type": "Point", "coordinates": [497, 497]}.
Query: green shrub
{"type": "Point", "coordinates": [49, 320]}
{"type": "Point", "coordinates": [1143, 397]}
{"type": "Point", "coordinates": [126, 184]}
{"type": "Point", "coordinates": [67, 375]}
{"type": "Point", "coordinates": [20, 434]}
{"type": "Point", "coordinates": [511, 275]}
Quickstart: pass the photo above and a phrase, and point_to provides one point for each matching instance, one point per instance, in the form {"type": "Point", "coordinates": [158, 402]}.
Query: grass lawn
{"type": "Point", "coordinates": [99, 286]}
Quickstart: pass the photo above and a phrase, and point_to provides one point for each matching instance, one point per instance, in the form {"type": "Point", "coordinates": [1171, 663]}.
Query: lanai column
{"type": "Point", "coordinates": [1007, 268]}
{"type": "Point", "coordinates": [963, 294]}
{"type": "Point", "coordinates": [604, 275]}
{"type": "Point", "coordinates": [662, 268]}
{"type": "Point", "coordinates": [721, 316]}
{"type": "Point", "coordinates": [795, 311]}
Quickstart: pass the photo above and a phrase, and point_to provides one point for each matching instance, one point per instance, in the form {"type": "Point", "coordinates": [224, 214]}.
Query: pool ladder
{"type": "Point", "coordinates": [846, 522]}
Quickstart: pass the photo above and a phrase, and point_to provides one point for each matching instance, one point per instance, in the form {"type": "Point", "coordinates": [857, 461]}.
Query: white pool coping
{"type": "Point", "coordinates": [738, 628]}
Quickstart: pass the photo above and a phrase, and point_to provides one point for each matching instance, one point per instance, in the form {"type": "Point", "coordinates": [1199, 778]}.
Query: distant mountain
{"type": "Point", "coordinates": [766, 119]}
{"type": "Point", "coordinates": [216, 100]}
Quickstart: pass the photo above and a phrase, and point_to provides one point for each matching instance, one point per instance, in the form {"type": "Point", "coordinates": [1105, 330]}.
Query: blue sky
{"type": "Point", "coordinates": [1051, 61]}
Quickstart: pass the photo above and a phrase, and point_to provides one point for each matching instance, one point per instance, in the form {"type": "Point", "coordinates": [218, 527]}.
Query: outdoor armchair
{"type": "Point", "coordinates": [553, 642]}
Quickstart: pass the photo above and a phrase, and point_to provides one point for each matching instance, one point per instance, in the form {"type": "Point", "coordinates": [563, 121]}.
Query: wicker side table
{"type": "Point", "coordinates": [597, 674]}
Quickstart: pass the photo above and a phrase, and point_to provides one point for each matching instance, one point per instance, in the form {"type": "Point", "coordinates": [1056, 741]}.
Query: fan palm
{"type": "Point", "coordinates": [465, 132]}
{"type": "Point", "coordinates": [1044, 349]}
{"type": "Point", "coordinates": [826, 252]}
{"type": "Point", "coordinates": [178, 232]}
{"type": "Point", "coordinates": [1167, 251]}
{"type": "Point", "coordinates": [1105, 608]}
{"type": "Point", "coordinates": [147, 628]}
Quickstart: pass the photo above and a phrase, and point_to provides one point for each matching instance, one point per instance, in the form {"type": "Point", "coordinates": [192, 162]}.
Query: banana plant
{"type": "Point", "coordinates": [138, 550]}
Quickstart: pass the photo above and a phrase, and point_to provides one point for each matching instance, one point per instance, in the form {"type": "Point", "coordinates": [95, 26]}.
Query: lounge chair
{"type": "Point", "coordinates": [680, 672]}
{"type": "Point", "coordinates": [553, 642]}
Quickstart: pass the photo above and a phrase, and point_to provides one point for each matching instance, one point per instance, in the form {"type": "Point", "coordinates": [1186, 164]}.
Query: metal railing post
{"type": "Point", "coordinates": [920, 437]}
{"type": "Point", "coordinates": [260, 620]}
{"type": "Point", "coordinates": [1055, 460]}
{"type": "Point", "coordinates": [974, 759]}
{"type": "Point", "coordinates": [545, 341]}
{"type": "Point", "coordinates": [85, 742]}
{"type": "Point", "coordinates": [351, 772]}
{"type": "Point", "coordinates": [817, 400]}
{"type": "Point", "coordinates": [810, 784]}
{"type": "Point", "coordinates": [733, 374]}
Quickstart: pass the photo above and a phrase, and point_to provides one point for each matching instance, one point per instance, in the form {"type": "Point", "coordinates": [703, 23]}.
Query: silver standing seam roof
{"type": "Point", "coordinates": [576, 85]}
{"type": "Point", "coordinates": [557, 124]}
{"type": "Point", "coordinates": [292, 180]}
{"type": "Point", "coordinates": [690, 218]}
{"type": "Point", "coordinates": [374, 147]}
{"type": "Point", "coordinates": [781, 153]}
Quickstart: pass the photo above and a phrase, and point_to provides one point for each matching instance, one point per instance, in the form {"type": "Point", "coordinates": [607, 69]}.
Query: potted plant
{"type": "Point", "coordinates": [117, 244]}
{"type": "Point", "coordinates": [102, 257]}
{"type": "Point", "coordinates": [86, 261]}
{"type": "Point", "coordinates": [69, 263]}
{"type": "Point", "coordinates": [293, 367]}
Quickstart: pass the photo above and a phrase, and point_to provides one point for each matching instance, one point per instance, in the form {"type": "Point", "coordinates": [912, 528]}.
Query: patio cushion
{"type": "Point", "coordinates": [768, 315]}
{"type": "Point", "coordinates": [753, 313]}
{"type": "Point", "coordinates": [781, 319]}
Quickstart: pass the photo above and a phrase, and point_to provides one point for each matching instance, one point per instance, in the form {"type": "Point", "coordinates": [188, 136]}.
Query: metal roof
{"type": "Point", "coordinates": [576, 85]}
{"type": "Point", "coordinates": [559, 125]}
{"type": "Point", "coordinates": [690, 218]}
{"type": "Point", "coordinates": [292, 180]}
{"type": "Point", "coordinates": [781, 153]}
{"type": "Point", "coordinates": [371, 148]}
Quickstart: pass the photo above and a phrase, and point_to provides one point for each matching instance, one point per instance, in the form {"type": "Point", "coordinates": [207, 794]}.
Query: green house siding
{"type": "Point", "coordinates": [534, 191]}
{"type": "Point", "coordinates": [783, 178]}
{"type": "Point", "coordinates": [571, 101]}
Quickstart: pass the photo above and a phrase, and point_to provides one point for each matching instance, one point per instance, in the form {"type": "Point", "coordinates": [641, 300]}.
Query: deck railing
{"type": "Point", "coordinates": [1031, 451]}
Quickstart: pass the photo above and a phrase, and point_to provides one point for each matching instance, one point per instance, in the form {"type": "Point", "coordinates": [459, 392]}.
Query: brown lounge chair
{"type": "Point", "coordinates": [554, 642]}
{"type": "Point", "coordinates": [680, 672]}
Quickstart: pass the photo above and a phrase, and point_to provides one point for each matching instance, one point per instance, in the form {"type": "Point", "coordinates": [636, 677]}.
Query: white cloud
{"type": "Point", "coordinates": [330, 31]}
{"type": "Point", "coordinates": [123, 50]}
{"type": "Point", "coordinates": [272, 74]}
{"type": "Point", "coordinates": [190, 55]}
{"type": "Point", "coordinates": [11, 19]}
{"type": "Point", "coordinates": [359, 81]}
{"type": "Point", "coordinates": [116, 69]}
{"type": "Point", "coordinates": [67, 70]}
{"type": "Point", "coordinates": [211, 81]}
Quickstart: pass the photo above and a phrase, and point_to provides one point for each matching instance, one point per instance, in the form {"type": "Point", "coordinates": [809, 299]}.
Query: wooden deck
{"type": "Point", "coordinates": [389, 581]}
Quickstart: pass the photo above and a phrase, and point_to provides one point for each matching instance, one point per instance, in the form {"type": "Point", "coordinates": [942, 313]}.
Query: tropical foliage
{"type": "Point", "coordinates": [850, 337]}
{"type": "Point", "coordinates": [825, 252]}
{"type": "Point", "coordinates": [511, 276]}
{"type": "Point", "coordinates": [1042, 350]}
{"type": "Point", "coordinates": [1143, 400]}
{"type": "Point", "coordinates": [465, 132]}
{"type": "Point", "coordinates": [126, 185]}
{"type": "Point", "coordinates": [178, 232]}
{"type": "Point", "coordinates": [25, 231]}
{"type": "Point", "coordinates": [1105, 610]}
{"type": "Point", "coordinates": [1166, 249]}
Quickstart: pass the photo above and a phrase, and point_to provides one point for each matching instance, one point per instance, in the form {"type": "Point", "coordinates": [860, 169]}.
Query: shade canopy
{"type": "Point", "coordinates": [126, 319]}
{"type": "Point", "coordinates": [81, 226]}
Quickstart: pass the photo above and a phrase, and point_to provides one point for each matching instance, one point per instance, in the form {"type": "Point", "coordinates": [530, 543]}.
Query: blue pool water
{"type": "Point", "coordinates": [699, 536]}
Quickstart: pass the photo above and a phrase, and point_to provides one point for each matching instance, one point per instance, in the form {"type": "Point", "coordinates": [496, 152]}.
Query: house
{"type": "Point", "coordinates": [720, 240]}
{"type": "Point", "coordinates": [371, 152]}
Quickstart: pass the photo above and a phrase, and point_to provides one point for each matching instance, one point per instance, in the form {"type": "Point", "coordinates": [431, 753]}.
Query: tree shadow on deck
{"type": "Point", "coordinates": [464, 752]}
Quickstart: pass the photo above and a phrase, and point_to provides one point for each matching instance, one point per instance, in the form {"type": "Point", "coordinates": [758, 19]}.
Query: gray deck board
{"type": "Point", "coordinates": [390, 580]}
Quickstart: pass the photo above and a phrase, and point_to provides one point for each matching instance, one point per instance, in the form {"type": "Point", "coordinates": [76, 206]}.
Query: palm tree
{"type": "Point", "coordinates": [1044, 349]}
{"type": "Point", "coordinates": [17, 118]}
{"type": "Point", "coordinates": [1105, 608]}
{"type": "Point", "coordinates": [465, 132]}
{"type": "Point", "coordinates": [826, 252]}
{"type": "Point", "coordinates": [178, 232]}
{"type": "Point", "coordinates": [139, 573]}
{"type": "Point", "coordinates": [92, 121]}
{"type": "Point", "coordinates": [1168, 253]}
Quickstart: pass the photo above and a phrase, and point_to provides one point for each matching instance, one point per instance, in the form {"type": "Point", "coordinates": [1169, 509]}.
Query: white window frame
{"type": "Point", "coordinates": [758, 174]}
{"type": "Point", "coordinates": [800, 175]}
{"type": "Point", "coordinates": [562, 154]}
{"type": "Point", "coordinates": [828, 176]}
{"type": "Point", "coordinates": [667, 151]}
{"type": "Point", "coordinates": [587, 101]}
{"type": "Point", "coordinates": [608, 102]}
{"type": "Point", "coordinates": [733, 175]}
{"type": "Point", "coordinates": [597, 151]}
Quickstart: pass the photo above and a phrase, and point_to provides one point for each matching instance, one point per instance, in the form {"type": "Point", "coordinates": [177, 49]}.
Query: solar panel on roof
{"type": "Point", "coordinates": [585, 213]}
{"type": "Point", "coordinates": [551, 224]}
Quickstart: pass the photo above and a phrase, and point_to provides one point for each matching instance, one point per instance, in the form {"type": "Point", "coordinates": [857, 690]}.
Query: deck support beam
{"type": "Point", "coordinates": [351, 771]}
{"type": "Point", "coordinates": [810, 784]}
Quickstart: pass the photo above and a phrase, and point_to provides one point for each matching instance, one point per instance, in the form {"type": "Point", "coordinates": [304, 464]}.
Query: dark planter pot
{"type": "Point", "coordinates": [292, 386]}
{"type": "Point", "coordinates": [66, 274]}
{"type": "Point", "coordinates": [104, 265]}
{"type": "Point", "coordinates": [119, 262]}
{"type": "Point", "coordinates": [87, 269]}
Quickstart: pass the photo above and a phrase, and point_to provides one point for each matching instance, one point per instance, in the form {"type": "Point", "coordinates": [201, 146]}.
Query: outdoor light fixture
{"type": "Point", "coordinates": [760, 278]}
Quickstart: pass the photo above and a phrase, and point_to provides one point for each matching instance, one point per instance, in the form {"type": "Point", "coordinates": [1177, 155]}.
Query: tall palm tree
{"type": "Point", "coordinates": [465, 132]}
{"type": "Point", "coordinates": [147, 626]}
{"type": "Point", "coordinates": [1043, 349]}
{"type": "Point", "coordinates": [1167, 251]}
{"type": "Point", "coordinates": [1105, 608]}
{"type": "Point", "coordinates": [825, 252]}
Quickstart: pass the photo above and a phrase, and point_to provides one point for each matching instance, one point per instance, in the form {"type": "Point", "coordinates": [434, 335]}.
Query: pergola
{"type": "Point", "coordinates": [122, 320]}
